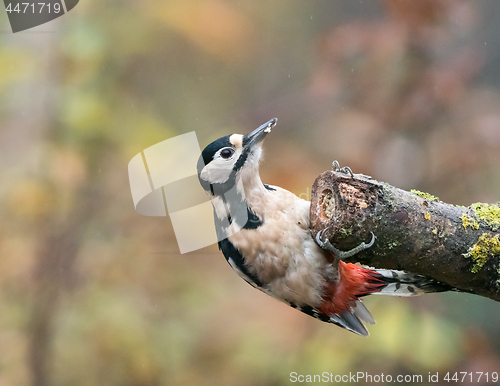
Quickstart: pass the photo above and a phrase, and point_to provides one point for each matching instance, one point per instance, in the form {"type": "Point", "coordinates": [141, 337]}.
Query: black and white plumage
{"type": "Point", "coordinates": [265, 237]}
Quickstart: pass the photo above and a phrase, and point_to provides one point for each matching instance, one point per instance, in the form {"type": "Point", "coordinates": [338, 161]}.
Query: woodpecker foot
{"type": "Point", "coordinates": [346, 169]}
{"type": "Point", "coordinates": [325, 244]}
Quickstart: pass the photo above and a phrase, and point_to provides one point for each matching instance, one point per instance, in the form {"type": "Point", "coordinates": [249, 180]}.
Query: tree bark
{"type": "Point", "coordinates": [455, 245]}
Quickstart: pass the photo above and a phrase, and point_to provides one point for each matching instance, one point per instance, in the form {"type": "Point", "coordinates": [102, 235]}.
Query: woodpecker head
{"type": "Point", "coordinates": [232, 158]}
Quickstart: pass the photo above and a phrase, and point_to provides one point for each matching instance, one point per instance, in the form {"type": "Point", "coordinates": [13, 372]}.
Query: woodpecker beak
{"type": "Point", "coordinates": [258, 135]}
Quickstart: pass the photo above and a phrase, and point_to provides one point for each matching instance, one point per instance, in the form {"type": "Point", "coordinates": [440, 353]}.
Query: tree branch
{"type": "Point", "coordinates": [455, 245]}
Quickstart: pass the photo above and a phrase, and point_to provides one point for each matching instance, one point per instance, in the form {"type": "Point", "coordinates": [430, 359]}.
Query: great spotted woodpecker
{"type": "Point", "coordinates": [264, 235]}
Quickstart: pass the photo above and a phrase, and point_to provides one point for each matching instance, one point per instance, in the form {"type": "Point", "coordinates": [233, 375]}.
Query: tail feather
{"type": "Point", "coordinates": [401, 283]}
{"type": "Point", "coordinates": [342, 305]}
{"type": "Point", "coordinates": [362, 312]}
{"type": "Point", "coordinates": [349, 321]}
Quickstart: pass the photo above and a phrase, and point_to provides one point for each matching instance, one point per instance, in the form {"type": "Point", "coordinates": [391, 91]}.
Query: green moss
{"type": "Point", "coordinates": [425, 196]}
{"type": "Point", "coordinates": [490, 214]}
{"type": "Point", "coordinates": [487, 246]}
{"type": "Point", "coordinates": [346, 232]}
{"type": "Point", "coordinates": [387, 191]}
{"type": "Point", "coordinates": [469, 222]}
{"type": "Point", "coordinates": [392, 245]}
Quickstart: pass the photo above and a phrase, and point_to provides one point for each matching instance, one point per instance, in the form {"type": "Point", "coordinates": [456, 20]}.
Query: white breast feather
{"type": "Point", "coordinates": [281, 252]}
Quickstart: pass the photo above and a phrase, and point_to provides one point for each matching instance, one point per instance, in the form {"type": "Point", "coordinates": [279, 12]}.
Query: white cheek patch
{"type": "Point", "coordinates": [214, 173]}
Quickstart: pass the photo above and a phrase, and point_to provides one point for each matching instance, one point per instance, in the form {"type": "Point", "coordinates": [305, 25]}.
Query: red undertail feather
{"type": "Point", "coordinates": [354, 281]}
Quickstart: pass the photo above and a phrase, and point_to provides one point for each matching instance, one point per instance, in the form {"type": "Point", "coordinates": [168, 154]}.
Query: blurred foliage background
{"type": "Point", "coordinates": [91, 293]}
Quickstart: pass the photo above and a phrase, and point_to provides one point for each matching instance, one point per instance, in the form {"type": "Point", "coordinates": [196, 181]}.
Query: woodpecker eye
{"type": "Point", "coordinates": [227, 152]}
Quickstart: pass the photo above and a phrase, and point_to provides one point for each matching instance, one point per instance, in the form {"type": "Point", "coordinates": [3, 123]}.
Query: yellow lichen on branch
{"type": "Point", "coordinates": [425, 196]}
{"type": "Point", "coordinates": [490, 214]}
{"type": "Point", "coordinates": [486, 247]}
{"type": "Point", "coordinates": [467, 221]}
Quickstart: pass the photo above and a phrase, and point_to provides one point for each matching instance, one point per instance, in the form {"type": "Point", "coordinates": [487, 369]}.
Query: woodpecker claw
{"type": "Point", "coordinates": [346, 169]}
{"type": "Point", "coordinates": [320, 239]}
{"type": "Point", "coordinates": [326, 244]}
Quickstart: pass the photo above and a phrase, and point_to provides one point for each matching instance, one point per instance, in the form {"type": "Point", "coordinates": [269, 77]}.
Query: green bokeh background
{"type": "Point", "coordinates": [91, 293]}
